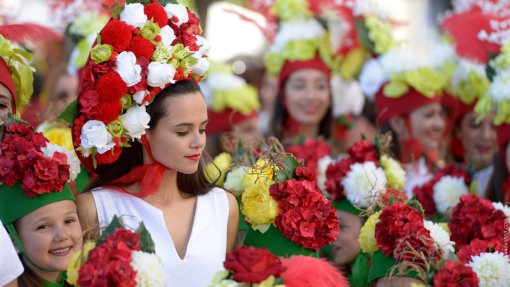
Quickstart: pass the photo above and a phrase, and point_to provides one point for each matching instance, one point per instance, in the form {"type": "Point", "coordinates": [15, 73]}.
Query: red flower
{"type": "Point", "coordinates": [89, 101]}
{"type": "Point", "coordinates": [334, 175]}
{"type": "Point", "coordinates": [110, 87]}
{"type": "Point", "coordinates": [456, 274]}
{"type": "Point", "coordinates": [19, 128]}
{"type": "Point", "coordinates": [310, 152]}
{"type": "Point", "coordinates": [156, 12]}
{"type": "Point", "coordinates": [413, 246]}
{"type": "Point", "coordinates": [141, 47]}
{"type": "Point", "coordinates": [131, 239]}
{"type": "Point", "coordinates": [305, 173]}
{"type": "Point", "coordinates": [305, 217]}
{"type": "Point", "coordinates": [117, 34]}
{"type": "Point", "coordinates": [363, 151]}
{"type": "Point", "coordinates": [253, 265]}
{"type": "Point", "coordinates": [476, 247]}
{"type": "Point", "coordinates": [109, 156]}
{"type": "Point", "coordinates": [108, 111]}
{"type": "Point", "coordinates": [393, 195]}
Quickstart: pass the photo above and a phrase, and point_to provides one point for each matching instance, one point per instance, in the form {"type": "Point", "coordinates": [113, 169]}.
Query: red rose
{"type": "Point", "coordinates": [363, 151]}
{"type": "Point", "coordinates": [117, 34]}
{"type": "Point", "coordinates": [141, 47]}
{"type": "Point", "coordinates": [253, 265]}
{"type": "Point", "coordinates": [456, 274]}
{"type": "Point", "coordinates": [110, 87]}
{"type": "Point", "coordinates": [157, 13]}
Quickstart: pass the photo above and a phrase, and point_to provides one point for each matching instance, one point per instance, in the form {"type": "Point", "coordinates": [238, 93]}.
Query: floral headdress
{"type": "Point", "coordinates": [120, 257]}
{"type": "Point", "coordinates": [141, 50]}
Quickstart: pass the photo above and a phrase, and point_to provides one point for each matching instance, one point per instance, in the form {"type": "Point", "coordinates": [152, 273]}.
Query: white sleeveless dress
{"type": "Point", "coordinates": [207, 244]}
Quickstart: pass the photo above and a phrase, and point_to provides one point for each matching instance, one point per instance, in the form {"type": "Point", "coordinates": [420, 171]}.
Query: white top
{"type": "Point", "coordinates": [10, 266]}
{"type": "Point", "coordinates": [207, 244]}
{"type": "Point", "coordinates": [417, 174]}
{"type": "Point", "coordinates": [482, 178]}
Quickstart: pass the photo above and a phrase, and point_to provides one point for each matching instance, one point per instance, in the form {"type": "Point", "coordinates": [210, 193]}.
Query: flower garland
{"type": "Point", "coordinates": [139, 52]}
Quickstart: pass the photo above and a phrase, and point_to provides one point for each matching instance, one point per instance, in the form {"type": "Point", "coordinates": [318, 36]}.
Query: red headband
{"type": "Point", "coordinates": [389, 107]}
{"type": "Point", "coordinates": [6, 80]}
{"type": "Point", "coordinates": [224, 121]}
{"type": "Point", "coordinates": [291, 66]}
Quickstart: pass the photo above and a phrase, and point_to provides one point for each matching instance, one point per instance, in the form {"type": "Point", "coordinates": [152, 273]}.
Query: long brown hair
{"type": "Point", "coordinates": [195, 183]}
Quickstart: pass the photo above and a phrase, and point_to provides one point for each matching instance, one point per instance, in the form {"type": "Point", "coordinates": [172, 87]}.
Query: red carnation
{"type": "Point", "coordinates": [157, 13]}
{"type": "Point", "coordinates": [19, 128]}
{"type": "Point", "coordinates": [109, 156]}
{"type": "Point", "coordinates": [141, 47]}
{"type": "Point", "coordinates": [419, 248]}
{"type": "Point", "coordinates": [108, 111]}
{"type": "Point", "coordinates": [89, 101]}
{"type": "Point", "coordinates": [363, 151]}
{"type": "Point", "coordinates": [456, 274]}
{"type": "Point", "coordinates": [477, 247]}
{"type": "Point", "coordinates": [253, 265]}
{"type": "Point", "coordinates": [310, 152]}
{"type": "Point", "coordinates": [393, 195]}
{"type": "Point", "coordinates": [110, 87]}
{"type": "Point", "coordinates": [117, 34]}
{"type": "Point", "coordinates": [334, 175]}
{"type": "Point", "coordinates": [305, 173]}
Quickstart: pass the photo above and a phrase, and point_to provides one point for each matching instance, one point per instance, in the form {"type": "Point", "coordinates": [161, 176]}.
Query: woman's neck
{"type": "Point", "coordinates": [295, 129]}
{"type": "Point", "coordinates": [168, 190]}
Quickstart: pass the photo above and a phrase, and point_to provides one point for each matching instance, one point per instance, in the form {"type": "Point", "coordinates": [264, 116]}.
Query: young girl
{"type": "Point", "coordinates": [147, 139]}
{"type": "Point", "coordinates": [36, 205]}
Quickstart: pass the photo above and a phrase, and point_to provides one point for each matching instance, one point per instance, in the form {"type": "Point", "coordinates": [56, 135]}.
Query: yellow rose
{"type": "Point", "coordinates": [60, 136]}
{"type": "Point", "coordinates": [262, 172]}
{"type": "Point", "coordinates": [217, 170]}
{"type": "Point", "coordinates": [258, 207]}
{"type": "Point", "coordinates": [77, 261]}
{"type": "Point", "coordinates": [366, 237]}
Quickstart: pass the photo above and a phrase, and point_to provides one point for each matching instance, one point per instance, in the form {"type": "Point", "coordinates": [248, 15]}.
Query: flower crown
{"type": "Point", "coordinates": [141, 50]}
{"type": "Point", "coordinates": [19, 63]}
{"type": "Point", "coordinates": [120, 257]}
{"type": "Point", "coordinates": [364, 176]}
{"type": "Point", "coordinates": [28, 159]}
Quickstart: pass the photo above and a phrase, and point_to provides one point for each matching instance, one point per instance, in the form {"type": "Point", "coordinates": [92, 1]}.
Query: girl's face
{"type": "Point", "coordinates": [307, 96]}
{"type": "Point", "coordinates": [346, 246]}
{"type": "Point", "coordinates": [178, 139]}
{"type": "Point", "coordinates": [50, 235]}
{"type": "Point", "coordinates": [66, 91]}
{"type": "Point", "coordinates": [478, 140]}
{"type": "Point", "coordinates": [5, 103]}
{"type": "Point", "coordinates": [427, 124]}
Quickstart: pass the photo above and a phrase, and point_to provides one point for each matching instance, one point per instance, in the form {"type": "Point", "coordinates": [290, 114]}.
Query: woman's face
{"type": "Point", "coordinates": [428, 124]}
{"type": "Point", "coordinates": [178, 139]}
{"type": "Point", "coordinates": [5, 103]}
{"type": "Point", "coordinates": [307, 96]}
{"type": "Point", "coordinates": [66, 91]}
{"type": "Point", "coordinates": [478, 140]}
{"type": "Point", "coordinates": [50, 235]}
{"type": "Point", "coordinates": [346, 246]}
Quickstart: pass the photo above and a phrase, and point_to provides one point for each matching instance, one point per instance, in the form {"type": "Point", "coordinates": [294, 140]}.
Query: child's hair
{"type": "Point", "coordinates": [29, 279]}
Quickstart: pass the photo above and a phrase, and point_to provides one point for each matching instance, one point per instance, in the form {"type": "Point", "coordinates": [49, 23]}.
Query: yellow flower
{"type": "Point", "coordinates": [352, 63]}
{"type": "Point", "coordinates": [366, 238]}
{"type": "Point", "coordinates": [394, 172]}
{"type": "Point", "coordinates": [218, 168]}
{"type": "Point", "coordinates": [426, 81]}
{"type": "Point", "coordinates": [61, 136]}
{"type": "Point", "coordinates": [269, 282]}
{"type": "Point", "coordinates": [258, 207]}
{"type": "Point", "coordinates": [261, 173]}
{"type": "Point", "coordinates": [77, 261]}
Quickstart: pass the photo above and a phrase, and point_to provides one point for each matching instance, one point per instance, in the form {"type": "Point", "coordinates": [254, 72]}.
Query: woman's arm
{"type": "Point", "coordinates": [233, 222]}
{"type": "Point", "coordinates": [87, 213]}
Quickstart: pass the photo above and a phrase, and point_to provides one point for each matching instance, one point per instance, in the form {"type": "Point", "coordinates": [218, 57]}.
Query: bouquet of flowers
{"type": "Point", "coordinates": [311, 152]}
{"type": "Point", "coordinates": [120, 257]}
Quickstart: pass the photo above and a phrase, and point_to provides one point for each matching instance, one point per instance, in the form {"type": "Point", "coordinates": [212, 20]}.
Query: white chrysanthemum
{"type": "Point", "coordinates": [364, 183]}
{"type": "Point", "coordinates": [72, 159]}
{"type": "Point", "coordinates": [463, 69]}
{"type": "Point", "coordinates": [235, 180]}
{"type": "Point", "coordinates": [441, 54]}
{"type": "Point", "coordinates": [504, 208]}
{"type": "Point", "coordinates": [149, 269]}
{"type": "Point", "coordinates": [492, 269]}
{"type": "Point", "coordinates": [296, 30]}
{"type": "Point", "coordinates": [395, 174]}
{"type": "Point", "coordinates": [322, 166]}
{"type": "Point", "coordinates": [447, 193]}
{"type": "Point", "coordinates": [440, 237]}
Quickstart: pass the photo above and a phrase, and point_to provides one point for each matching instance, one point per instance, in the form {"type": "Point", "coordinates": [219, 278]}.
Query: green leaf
{"type": "Point", "coordinates": [146, 242]}
{"type": "Point", "coordinates": [363, 39]}
{"type": "Point", "coordinates": [281, 176]}
{"type": "Point", "coordinates": [290, 163]}
{"type": "Point", "coordinates": [110, 229]}
{"type": "Point", "coordinates": [144, 2]}
{"type": "Point", "coordinates": [413, 202]}
{"type": "Point", "coordinates": [70, 113]}
{"type": "Point", "coordinates": [164, 2]}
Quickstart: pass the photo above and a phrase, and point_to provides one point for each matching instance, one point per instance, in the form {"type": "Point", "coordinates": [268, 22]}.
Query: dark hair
{"type": "Point", "coordinates": [281, 115]}
{"type": "Point", "coordinates": [29, 279]}
{"type": "Point", "coordinates": [132, 156]}
{"type": "Point", "coordinates": [494, 191]}
{"type": "Point", "coordinates": [395, 150]}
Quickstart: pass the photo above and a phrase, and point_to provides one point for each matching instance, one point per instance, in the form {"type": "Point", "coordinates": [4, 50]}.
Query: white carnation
{"type": "Point", "coordinates": [167, 36]}
{"type": "Point", "coordinates": [134, 15]}
{"type": "Point", "coordinates": [128, 69]}
{"type": "Point", "coordinates": [235, 180]}
{"type": "Point", "coordinates": [203, 44]}
{"type": "Point", "coordinates": [149, 270]}
{"type": "Point", "coordinates": [364, 183]}
{"type": "Point", "coordinates": [178, 11]}
{"type": "Point", "coordinates": [322, 166]}
{"type": "Point", "coordinates": [160, 74]}
{"type": "Point", "coordinates": [201, 67]}
{"type": "Point", "coordinates": [440, 237]}
{"type": "Point", "coordinates": [447, 193]}
{"type": "Point", "coordinates": [136, 121]}
{"type": "Point", "coordinates": [94, 134]}
{"type": "Point", "coordinates": [72, 159]}
{"type": "Point", "coordinates": [372, 78]}
{"type": "Point", "coordinates": [492, 269]}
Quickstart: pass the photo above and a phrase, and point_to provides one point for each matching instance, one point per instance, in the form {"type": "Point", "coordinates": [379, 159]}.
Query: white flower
{"type": "Point", "coordinates": [95, 135]}
{"type": "Point", "coordinates": [296, 30]}
{"type": "Point", "coordinates": [235, 180]}
{"type": "Point", "coordinates": [126, 67]}
{"type": "Point", "coordinates": [348, 98]}
{"type": "Point", "coordinates": [167, 36]}
{"type": "Point", "coordinates": [322, 166]}
{"type": "Point", "coordinates": [504, 208]}
{"type": "Point", "coordinates": [136, 121]}
{"type": "Point", "coordinates": [201, 67]}
{"type": "Point", "coordinates": [149, 270]}
{"type": "Point", "coordinates": [203, 44]}
{"type": "Point", "coordinates": [134, 15]}
{"type": "Point", "coordinates": [498, 89]}
{"type": "Point", "coordinates": [440, 55]}
{"type": "Point", "coordinates": [440, 237]}
{"type": "Point", "coordinates": [72, 159]}
{"type": "Point", "coordinates": [492, 269]}
{"type": "Point", "coordinates": [178, 11]}
{"type": "Point", "coordinates": [447, 193]}
{"type": "Point", "coordinates": [463, 69]}
{"type": "Point", "coordinates": [364, 183]}
{"type": "Point", "coordinates": [372, 77]}
{"type": "Point", "coordinates": [397, 61]}
{"type": "Point", "coordinates": [139, 96]}
{"type": "Point", "coordinates": [395, 174]}
{"type": "Point", "coordinates": [160, 74]}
